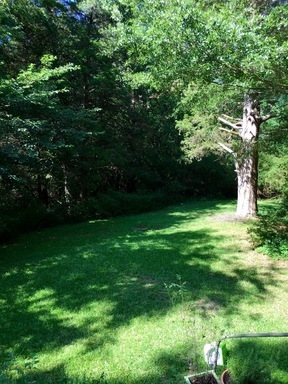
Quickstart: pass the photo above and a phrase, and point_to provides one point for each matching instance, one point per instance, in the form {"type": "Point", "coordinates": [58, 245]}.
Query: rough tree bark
{"type": "Point", "coordinates": [246, 155]}
{"type": "Point", "coordinates": [247, 160]}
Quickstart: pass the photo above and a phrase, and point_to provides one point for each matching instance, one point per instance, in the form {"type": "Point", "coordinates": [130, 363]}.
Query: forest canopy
{"type": "Point", "coordinates": [112, 107]}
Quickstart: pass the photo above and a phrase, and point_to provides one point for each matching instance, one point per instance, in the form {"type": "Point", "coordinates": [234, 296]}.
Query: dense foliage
{"type": "Point", "coordinates": [91, 92]}
{"type": "Point", "coordinates": [257, 361]}
{"type": "Point", "coordinates": [77, 140]}
{"type": "Point", "coordinates": [222, 58]}
{"type": "Point", "coordinates": [270, 231]}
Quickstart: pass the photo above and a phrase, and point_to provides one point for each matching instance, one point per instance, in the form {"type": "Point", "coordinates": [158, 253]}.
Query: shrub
{"type": "Point", "coordinates": [247, 366]}
{"type": "Point", "coordinates": [16, 219]}
{"type": "Point", "coordinates": [9, 224]}
{"type": "Point", "coordinates": [270, 231]}
{"type": "Point", "coordinates": [113, 204]}
{"type": "Point", "coordinates": [258, 361]}
{"type": "Point", "coordinates": [117, 203]}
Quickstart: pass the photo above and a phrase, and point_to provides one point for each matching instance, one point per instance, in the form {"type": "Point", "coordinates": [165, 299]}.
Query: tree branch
{"type": "Point", "coordinates": [232, 118]}
{"type": "Point", "coordinates": [267, 117]}
{"type": "Point", "coordinates": [229, 131]}
{"type": "Point", "coordinates": [234, 126]}
{"type": "Point", "coordinates": [227, 149]}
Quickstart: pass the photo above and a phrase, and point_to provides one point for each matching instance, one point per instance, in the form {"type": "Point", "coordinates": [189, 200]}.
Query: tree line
{"type": "Point", "coordinates": [111, 107]}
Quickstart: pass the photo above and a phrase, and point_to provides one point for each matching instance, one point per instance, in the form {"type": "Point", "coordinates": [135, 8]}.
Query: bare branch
{"type": "Point", "coordinates": [267, 117]}
{"type": "Point", "coordinates": [231, 118]}
{"type": "Point", "coordinates": [227, 149]}
{"type": "Point", "coordinates": [229, 131]}
{"type": "Point", "coordinates": [234, 126]}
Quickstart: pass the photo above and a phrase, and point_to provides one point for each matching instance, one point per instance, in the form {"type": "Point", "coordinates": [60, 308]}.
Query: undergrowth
{"type": "Point", "coordinates": [258, 361]}
{"type": "Point", "coordinates": [270, 232]}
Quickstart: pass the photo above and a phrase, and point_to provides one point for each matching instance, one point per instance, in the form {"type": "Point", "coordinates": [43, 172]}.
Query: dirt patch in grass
{"type": "Point", "coordinates": [227, 217]}
{"type": "Point", "coordinates": [207, 305]}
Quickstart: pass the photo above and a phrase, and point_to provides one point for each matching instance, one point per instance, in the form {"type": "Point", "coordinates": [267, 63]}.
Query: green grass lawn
{"type": "Point", "coordinates": [133, 300]}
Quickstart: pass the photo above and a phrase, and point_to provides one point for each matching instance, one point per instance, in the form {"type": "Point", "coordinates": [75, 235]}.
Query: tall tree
{"type": "Point", "coordinates": [33, 132]}
{"type": "Point", "coordinates": [216, 51]}
{"type": "Point", "coordinates": [71, 127]}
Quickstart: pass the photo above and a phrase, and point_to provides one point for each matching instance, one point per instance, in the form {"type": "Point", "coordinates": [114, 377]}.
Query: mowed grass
{"type": "Point", "coordinates": [132, 300]}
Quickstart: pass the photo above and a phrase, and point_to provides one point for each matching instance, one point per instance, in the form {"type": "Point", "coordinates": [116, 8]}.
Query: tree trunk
{"type": "Point", "coordinates": [247, 160]}
{"type": "Point", "coordinates": [67, 195]}
{"type": "Point", "coordinates": [42, 190]}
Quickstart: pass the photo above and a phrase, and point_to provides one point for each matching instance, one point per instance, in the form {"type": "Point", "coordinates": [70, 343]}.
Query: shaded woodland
{"type": "Point", "coordinates": [84, 134]}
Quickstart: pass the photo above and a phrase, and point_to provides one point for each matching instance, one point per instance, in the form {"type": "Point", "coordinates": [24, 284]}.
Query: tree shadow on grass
{"type": "Point", "coordinates": [169, 366]}
{"type": "Point", "coordinates": [268, 355]}
{"type": "Point", "coordinates": [85, 282]}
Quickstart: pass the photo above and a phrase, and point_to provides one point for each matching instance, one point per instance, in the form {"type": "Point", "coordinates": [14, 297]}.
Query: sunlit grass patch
{"type": "Point", "coordinates": [133, 300]}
